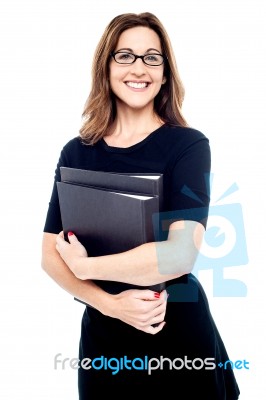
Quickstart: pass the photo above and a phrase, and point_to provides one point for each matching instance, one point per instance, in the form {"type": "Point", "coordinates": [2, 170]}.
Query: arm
{"type": "Point", "coordinates": [130, 306]}
{"type": "Point", "coordinates": [145, 265]}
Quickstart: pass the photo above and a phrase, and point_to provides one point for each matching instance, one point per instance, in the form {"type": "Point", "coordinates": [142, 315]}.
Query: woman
{"type": "Point", "coordinates": [133, 123]}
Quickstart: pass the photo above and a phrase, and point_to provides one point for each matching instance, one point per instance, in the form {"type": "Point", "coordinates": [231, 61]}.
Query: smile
{"type": "Point", "coordinates": [137, 85]}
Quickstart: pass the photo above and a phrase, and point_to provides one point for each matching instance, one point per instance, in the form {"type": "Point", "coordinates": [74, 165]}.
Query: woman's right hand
{"type": "Point", "coordinates": [143, 309]}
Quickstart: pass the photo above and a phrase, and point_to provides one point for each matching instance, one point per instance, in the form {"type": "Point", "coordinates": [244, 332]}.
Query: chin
{"type": "Point", "coordinates": [138, 105]}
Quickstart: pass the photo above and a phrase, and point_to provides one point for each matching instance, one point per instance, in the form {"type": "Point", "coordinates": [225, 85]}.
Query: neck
{"type": "Point", "coordinates": [132, 126]}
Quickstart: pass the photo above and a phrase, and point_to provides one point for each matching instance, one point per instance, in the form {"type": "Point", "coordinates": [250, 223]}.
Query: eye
{"type": "Point", "coordinates": [153, 58]}
{"type": "Point", "coordinates": [124, 57]}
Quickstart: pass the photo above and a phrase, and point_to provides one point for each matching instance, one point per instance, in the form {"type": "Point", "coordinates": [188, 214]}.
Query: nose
{"type": "Point", "coordinates": [138, 67]}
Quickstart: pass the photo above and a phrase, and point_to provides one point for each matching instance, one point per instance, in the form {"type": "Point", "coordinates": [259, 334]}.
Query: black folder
{"type": "Point", "coordinates": [110, 212]}
{"type": "Point", "coordinates": [139, 183]}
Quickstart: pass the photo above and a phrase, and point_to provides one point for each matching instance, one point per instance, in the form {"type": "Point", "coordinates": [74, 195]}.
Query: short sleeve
{"type": "Point", "coordinates": [53, 222]}
{"type": "Point", "coordinates": [188, 184]}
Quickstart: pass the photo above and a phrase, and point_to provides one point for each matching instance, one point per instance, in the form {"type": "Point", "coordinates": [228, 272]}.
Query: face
{"type": "Point", "coordinates": [136, 85]}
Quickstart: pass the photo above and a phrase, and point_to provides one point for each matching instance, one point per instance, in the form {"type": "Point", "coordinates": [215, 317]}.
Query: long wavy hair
{"type": "Point", "coordinates": [100, 108]}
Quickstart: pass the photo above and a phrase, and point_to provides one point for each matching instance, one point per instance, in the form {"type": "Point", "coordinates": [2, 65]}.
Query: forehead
{"type": "Point", "coordinates": [139, 39]}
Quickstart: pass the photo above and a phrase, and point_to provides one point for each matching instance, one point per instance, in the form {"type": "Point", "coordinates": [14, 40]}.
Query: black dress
{"type": "Point", "coordinates": [181, 360]}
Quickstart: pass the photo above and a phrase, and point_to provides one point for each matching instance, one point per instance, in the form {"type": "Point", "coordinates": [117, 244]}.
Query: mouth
{"type": "Point", "coordinates": [137, 85]}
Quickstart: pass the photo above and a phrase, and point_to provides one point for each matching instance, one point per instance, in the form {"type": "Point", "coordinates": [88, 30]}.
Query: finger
{"type": "Point", "coordinates": [155, 315]}
{"type": "Point", "coordinates": [164, 294]}
{"type": "Point", "coordinates": [155, 329]}
{"type": "Point", "coordinates": [60, 245]}
{"type": "Point", "coordinates": [72, 237]}
{"type": "Point", "coordinates": [147, 295]}
{"type": "Point", "coordinates": [60, 238]}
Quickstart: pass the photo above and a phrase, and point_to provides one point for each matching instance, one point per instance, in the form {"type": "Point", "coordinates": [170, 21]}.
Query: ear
{"type": "Point", "coordinates": [164, 80]}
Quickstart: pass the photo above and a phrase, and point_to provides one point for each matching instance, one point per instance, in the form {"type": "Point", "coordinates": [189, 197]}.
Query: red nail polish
{"type": "Point", "coordinates": [157, 295]}
{"type": "Point", "coordinates": [70, 233]}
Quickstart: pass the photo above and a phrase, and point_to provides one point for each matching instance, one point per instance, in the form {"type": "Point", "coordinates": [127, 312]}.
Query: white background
{"type": "Point", "coordinates": [46, 48]}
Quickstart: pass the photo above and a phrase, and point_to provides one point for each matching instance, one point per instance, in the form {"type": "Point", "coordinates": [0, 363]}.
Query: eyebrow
{"type": "Point", "coordinates": [132, 51]}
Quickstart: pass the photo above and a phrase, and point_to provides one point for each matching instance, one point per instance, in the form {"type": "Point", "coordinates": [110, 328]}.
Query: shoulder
{"type": "Point", "coordinates": [177, 139]}
{"type": "Point", "coordinates": [75, 153]}
{"type": "Point", "coordinates": [184, 134]}
{"type": "Point", "coordinates": [75, 147]}
{"type": "Point", "coordinates": [74, 143]}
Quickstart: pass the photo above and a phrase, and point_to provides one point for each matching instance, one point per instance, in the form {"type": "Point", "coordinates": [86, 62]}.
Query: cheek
{"type": "Point", "coordinates": [159, 81]}
{"type": "Point", "coordinates": [112, 81]}
{"type": "Point", "coordinates": [115, 77]}
{"type": "Point", "coordinates": [158, 76]}
{"type": "Point", "coordinates": [162, 77]}
{"type": "Point", "coordinates": [111, 77]}
{"type": "Point", "coordinates": [114, 87]}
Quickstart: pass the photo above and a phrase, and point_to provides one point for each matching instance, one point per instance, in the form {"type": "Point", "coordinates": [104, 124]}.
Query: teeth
{"type": "Point", "coordinates": [136, 85]}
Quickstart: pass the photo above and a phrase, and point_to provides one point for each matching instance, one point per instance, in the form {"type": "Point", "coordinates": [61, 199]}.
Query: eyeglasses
{"type": "Point", "coordinates": [122, 57]}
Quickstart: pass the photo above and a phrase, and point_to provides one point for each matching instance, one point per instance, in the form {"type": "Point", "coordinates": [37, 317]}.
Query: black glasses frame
{"type": "Point", "coordinates": [113, 54]}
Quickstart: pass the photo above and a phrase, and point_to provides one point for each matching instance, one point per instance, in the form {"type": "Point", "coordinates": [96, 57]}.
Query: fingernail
{"type": "Point", "coordinates": [70, 233]}
{"type": "Point", "coordinates": [157, 295]}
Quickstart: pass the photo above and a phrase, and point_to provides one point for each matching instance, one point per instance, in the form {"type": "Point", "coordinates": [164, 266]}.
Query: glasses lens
{"type": "Point", "coordinates": [153, 59]}
{"type": "Point", "coordinates": [124, 58]}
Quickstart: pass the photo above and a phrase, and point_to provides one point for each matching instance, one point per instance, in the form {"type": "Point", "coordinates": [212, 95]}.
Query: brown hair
{"type": "Point", "coordinates": [100, 108]}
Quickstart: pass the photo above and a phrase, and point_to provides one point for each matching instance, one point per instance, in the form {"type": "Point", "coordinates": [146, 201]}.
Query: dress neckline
{"type": "Point", "coordinates": [134, 147]}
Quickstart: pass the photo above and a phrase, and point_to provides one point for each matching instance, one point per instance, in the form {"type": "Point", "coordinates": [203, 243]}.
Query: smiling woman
{"type": "Point", "coordinates": [133, 124]}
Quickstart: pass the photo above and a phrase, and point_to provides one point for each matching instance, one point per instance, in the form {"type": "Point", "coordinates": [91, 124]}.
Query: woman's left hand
{"type": "Point", "coordinates": [71, 252]}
